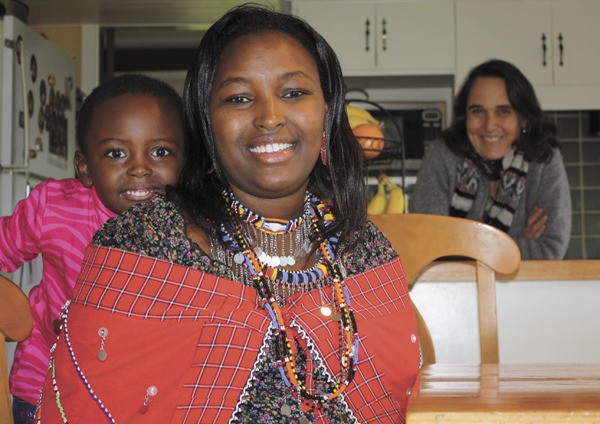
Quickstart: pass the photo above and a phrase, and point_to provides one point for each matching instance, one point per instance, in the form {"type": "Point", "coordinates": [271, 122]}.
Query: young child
{"type": "Point", "coordinates": [131, 146]}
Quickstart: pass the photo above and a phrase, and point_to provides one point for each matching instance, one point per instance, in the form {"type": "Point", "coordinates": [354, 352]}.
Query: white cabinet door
{"type": "Point", "coordinates": [420, 37]}
{"type": "Point", "coordinates": [518, 31]}
{"type": "Point", "coordinates": [386, 38]}
{"type": "Point", "coordinates": [577, 23]}
{"type": "Point", "coordinates": [349, 27]}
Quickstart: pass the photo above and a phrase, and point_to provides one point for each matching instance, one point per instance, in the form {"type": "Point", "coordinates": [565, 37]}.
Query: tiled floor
{"type": "Point", "coordinates": [581, 153]}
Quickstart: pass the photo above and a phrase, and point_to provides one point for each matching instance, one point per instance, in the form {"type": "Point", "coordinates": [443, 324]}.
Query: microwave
{"type": "Point", "coordinates": [407, 126]}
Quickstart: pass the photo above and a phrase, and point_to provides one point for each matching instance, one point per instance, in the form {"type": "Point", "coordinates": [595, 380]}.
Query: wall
{"type": "Point", "coordinates": [549, 315]}
{"type": "Point", "coordinates": [581, 153]}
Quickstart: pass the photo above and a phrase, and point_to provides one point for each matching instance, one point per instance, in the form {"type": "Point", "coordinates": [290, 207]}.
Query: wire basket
{"type": "Point", "coordinates": [385, 153]}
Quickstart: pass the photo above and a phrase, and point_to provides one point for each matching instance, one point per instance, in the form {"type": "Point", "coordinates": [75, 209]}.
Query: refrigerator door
{"type": "Point", "coordinates": [38, 110]}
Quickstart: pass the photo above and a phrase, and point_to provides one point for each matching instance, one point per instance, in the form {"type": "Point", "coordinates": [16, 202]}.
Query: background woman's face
{"type": "Point", "coordinates": [492, 123]}
{"type": "Point", "coordinates": [267, 113]}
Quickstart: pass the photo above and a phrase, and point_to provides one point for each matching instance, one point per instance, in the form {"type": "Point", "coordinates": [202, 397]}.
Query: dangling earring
{"type": "Point", "coordinates": [324, 150]}
{"type": "Point", "coordinates": [523, 130]}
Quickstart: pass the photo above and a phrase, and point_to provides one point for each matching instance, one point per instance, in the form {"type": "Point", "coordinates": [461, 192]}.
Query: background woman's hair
{"type": "Point", "coordinates": [540, 135]}
{"type": "Point", "coordinates": [202, 180]}
{"type": "Point", "coordinates": [119, 86]}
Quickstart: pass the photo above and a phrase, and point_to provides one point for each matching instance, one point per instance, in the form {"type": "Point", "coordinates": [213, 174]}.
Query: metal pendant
{"type": "Point", "coordinates": [238, 258]}
{"type": "Point", "coordinates": [102, 355]}
{"type": "Point", "coordinates": [286, 410]}
{"type": "Point", "coordinates": [326, 310]}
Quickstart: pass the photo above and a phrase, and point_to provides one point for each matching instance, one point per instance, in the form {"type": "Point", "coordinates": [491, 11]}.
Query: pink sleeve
{"type": "Point", "coordinates": [20, 232]}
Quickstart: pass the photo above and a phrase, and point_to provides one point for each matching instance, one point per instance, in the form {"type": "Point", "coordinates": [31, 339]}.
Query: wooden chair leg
{"type": "Point", "coordinates": [488, 319]}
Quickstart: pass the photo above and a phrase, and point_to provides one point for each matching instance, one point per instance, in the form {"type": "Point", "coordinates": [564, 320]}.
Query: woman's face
{"type": "Point", "coordinates": [267, 112]}
{"type": "Point", "coordinates": [492, 123]}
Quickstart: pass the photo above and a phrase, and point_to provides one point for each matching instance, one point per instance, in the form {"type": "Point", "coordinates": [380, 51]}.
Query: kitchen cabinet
{"type": "Point", "coordinates": [385, 38]}
{"type": "Point", "coordinates": [555, 43]}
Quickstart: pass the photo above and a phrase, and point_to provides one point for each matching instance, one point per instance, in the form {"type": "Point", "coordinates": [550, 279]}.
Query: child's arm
{"type": "Point", "coordinates": [20, 232]}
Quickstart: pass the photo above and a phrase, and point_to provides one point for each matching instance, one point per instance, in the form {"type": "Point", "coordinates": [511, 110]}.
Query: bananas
{"type": "Point", "coordinates": [398, 202]}
{"type": "Point", "coordinates": [357, 116]}
{"type": "Point", "coordinates": [380, 203]}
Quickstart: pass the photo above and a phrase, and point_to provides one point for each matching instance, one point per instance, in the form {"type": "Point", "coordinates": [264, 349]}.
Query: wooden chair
{"type": "Point", "coordinates": [15, 325]}
{"type": "Point", "coordinates": [421, 239]}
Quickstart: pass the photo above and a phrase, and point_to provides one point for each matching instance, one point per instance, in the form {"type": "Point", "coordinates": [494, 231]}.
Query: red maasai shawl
{"type": "Point", "coordinates": [196, 338]}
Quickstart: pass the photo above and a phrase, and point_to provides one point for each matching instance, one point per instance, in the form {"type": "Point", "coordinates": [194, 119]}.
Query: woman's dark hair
{"type": "Point", "coordinates": [202, 180]}
{"type": "Point", "coordinates": [119, 86]}
{"type": "Point", "coordinates": [540, 135]}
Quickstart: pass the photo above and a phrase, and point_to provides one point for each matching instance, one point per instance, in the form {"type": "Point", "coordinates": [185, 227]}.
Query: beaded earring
{"type": "Point", "coordinates": [324, 150]}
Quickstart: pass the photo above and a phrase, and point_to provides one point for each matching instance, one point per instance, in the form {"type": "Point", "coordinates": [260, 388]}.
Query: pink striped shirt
{"type": "Point", "coordinates": [57, 220]}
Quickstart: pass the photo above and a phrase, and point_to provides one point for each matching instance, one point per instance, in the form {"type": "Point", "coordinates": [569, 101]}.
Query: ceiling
{"type": "Point", "coordinates": [195, 13]}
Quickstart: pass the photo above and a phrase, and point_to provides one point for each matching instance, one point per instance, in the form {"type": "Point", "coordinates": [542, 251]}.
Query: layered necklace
{"type": "Point", "coordinates": [274, 284]}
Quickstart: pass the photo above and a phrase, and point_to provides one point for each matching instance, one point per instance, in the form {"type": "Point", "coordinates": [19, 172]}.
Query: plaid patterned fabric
{"type": "Point", "coordinates": [196, 338]}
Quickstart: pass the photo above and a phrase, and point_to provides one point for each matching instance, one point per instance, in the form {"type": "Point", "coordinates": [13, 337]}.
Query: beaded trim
{"type": "Point", "coordinates": [64, 316]}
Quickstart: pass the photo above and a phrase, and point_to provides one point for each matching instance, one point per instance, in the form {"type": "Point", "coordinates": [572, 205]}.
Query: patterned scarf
{"type": "Point", "coordinates": [511, 171]}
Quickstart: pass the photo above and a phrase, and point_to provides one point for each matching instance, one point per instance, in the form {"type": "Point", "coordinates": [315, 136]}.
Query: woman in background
{"type": "Point", "coordinates": [258, 291]}
{"type": "Point", "coordinates": [499, 162]}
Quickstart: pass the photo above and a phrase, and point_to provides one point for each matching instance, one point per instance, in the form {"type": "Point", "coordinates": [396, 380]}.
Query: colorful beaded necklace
{"type": "Point", "coordinates": [286, 333]}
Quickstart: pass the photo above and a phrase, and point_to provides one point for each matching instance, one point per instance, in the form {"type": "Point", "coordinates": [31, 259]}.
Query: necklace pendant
{"type": "Point", "coordinates": [238, 258]}
{"type": "Point", "coordinates": [336, 317]}
{"type": "Point", "coordinates": [326, 310]}
{"type": "Point", "coordinates": [305, 420]}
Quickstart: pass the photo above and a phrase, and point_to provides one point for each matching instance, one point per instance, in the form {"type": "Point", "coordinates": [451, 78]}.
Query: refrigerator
{"type": "Point", "coordinates": [37, 123]}
{"type": "Point", "coordinates": [37, 116]}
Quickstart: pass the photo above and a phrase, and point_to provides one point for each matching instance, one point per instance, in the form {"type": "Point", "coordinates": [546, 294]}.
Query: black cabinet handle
{"type": "Point", "coordinates": [560, 48]}
{"type": "Point", "coordinates": [544, 49]}
{"type": "Point", "coordinates": [384, 34]}
{"type": "Point", "coordinates": [367, 33]}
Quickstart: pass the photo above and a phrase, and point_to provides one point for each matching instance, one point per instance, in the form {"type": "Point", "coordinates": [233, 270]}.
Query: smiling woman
{"type": "Point", "coordinates": [256, 291]}
{"type": "Point", "coordinates": [499, 162]}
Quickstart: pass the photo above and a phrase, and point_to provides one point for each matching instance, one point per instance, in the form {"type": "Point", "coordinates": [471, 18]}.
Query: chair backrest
{"type": "Point", "coordinates": [420, 239]}
{"type": "Point", "coordinates": [15, 325]}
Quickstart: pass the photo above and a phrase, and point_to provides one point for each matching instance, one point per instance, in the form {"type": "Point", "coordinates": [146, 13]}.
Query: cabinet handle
{"type": "Point", "coordinates": [544, 49]}
{"type": "Point", "coordinates": [384, 34]}
{"type": "Point", "coordinates": [367, 33]}
{"type": "Point", "coordinates": [560, 48]}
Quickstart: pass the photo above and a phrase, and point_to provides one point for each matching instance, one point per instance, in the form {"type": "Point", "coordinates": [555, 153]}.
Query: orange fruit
{"type": "Point", "coordinates": [370, 138]}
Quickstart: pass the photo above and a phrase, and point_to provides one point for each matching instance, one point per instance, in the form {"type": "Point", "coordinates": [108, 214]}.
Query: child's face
{"type": "Point", "coordinates": [134, 150]}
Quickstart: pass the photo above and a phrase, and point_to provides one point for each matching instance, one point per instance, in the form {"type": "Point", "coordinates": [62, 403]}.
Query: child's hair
{"type": "Point", "coordinates": [125, 84]}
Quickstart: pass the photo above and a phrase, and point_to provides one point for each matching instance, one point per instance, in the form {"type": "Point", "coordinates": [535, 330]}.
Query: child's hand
{"type": "Point", "coordinates": [536, 224]}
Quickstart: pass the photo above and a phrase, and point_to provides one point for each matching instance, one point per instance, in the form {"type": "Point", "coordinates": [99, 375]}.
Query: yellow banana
{"type": "Point", "coordinates": [357, 116]}
{"type": "Point", "coordinates": [378, 203]}
{"type": "Point", "coordinates": [398, 200]}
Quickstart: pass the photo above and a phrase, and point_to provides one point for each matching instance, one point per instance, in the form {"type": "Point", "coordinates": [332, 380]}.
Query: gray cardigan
{"type": "Point", "coordinates": [546, 187]}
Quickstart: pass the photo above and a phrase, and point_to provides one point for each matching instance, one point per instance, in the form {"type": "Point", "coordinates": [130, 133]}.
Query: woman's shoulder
{"type": "Point", "coordinates": [142, 224]}
{"type": "Point", "coordinates": [371, 249]}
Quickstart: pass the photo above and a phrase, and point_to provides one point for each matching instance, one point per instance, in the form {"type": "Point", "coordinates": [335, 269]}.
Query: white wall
{"type": "Point", "coordinates": [538, 322]}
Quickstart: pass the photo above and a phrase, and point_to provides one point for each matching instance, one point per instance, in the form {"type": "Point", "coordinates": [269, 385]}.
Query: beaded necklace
{"type": "Point", "coordinates": [286, 333]}
{"type": "Point", "coordinates": [265, 234]}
